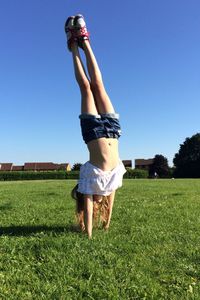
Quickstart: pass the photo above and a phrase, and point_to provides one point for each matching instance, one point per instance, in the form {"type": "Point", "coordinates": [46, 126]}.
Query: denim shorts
{"type": "Point", "coordinates": [97, 126]}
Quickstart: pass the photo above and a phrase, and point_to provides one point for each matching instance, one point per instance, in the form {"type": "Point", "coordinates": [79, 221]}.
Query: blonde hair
{"type": "Point", "coordinates": [100, 209]}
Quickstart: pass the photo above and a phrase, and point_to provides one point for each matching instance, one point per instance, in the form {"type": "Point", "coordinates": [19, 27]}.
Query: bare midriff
{"type": "Point", "coordinates": [104, 153]}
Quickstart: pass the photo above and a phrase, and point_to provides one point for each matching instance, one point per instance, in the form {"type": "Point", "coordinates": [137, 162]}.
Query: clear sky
{"type": "Point", "coordinates": [149, 54]}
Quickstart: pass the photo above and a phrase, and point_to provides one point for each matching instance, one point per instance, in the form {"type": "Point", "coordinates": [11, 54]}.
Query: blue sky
{"type": "Point", "coordinates": [148, 52]}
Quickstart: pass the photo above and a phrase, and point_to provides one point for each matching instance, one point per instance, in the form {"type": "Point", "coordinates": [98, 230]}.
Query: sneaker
{"type": "Point", "coordinates": [81, 30]}
{"type": "Point", "coordinates": [70, 31]}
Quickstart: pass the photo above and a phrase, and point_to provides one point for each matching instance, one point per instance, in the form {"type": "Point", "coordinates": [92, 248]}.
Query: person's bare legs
{"type": "Point", "coordinates": [87, 98]}
{"type": "Point", "coordinates": [111, 198]}
{"type": "Point", "coordinates": [87, 106]}
{"type": "Point", "coordinates": [102, 99]}
{"type": "Point", "coordinates": [88, 209]}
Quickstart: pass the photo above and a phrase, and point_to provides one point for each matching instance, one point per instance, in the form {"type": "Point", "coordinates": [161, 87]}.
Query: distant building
{"type": "Point", "coordinates": [127, 163]}
{"type": "Point", "coordinates": [6, 166]}
{"type": "Point", "coordinates": [65, 167]}
{"type": "Point", "coordinates": [18, 168]}
{"type": "Point", "coordinates": [35, 166]}
{"type": "Point", "coordinates": [39, 166]}
{"type": "Point", "coordinates": [46, 166]}
{"type": "Point", "coordinates": [143, 164]}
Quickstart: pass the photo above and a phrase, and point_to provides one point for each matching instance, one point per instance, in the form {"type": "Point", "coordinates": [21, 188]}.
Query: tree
{"type": "Point", "coordinates": [159, 166]}
{"type": "Point", "coordinates": [76, 167]}
{"type": "Point", "coordinates": [187, 160]}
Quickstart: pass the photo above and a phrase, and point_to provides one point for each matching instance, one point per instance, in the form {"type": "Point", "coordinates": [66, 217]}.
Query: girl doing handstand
{"type": "Point", "coordinates": [103, 173]}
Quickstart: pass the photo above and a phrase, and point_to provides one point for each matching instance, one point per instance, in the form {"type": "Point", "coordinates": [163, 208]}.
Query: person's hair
{"type": "Point", "coordinates": [100, 209]}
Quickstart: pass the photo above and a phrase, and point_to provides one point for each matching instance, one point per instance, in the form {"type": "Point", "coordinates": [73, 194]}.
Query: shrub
{"type": "Point", "coordinates": [72, 175]}
{"type": "Point", "coordinates": [26, 175]}
{"type": "Point", "coordinates": [136, 173]}
{"type": "Point", "coordinates": [31, 175]}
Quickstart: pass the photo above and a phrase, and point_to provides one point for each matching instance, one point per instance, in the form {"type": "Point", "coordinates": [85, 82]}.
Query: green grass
{"type": "Point", "coordinates": [152, 250]}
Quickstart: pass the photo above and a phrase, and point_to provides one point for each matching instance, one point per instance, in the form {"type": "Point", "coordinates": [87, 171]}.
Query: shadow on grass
{"type": "Point", "coordinates": [5, 206]}
{"type": "Point", "coordinates": [25, 230]}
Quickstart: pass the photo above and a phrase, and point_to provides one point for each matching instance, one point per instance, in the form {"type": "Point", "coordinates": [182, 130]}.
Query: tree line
{"type": "Point", "coordinates": [186, 161]}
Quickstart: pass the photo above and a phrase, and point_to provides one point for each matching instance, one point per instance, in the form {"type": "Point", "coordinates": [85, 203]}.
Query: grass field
{"type": "Point", "coordinates": [152, 250]}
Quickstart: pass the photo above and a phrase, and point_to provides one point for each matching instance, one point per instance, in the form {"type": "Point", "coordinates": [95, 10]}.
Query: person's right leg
{"type": "Point", "coordinates": [87, 98]}
{"type": "Point", "coordinates": [111, 198]}
{"type": "Point", "coordinates": [102, 100]}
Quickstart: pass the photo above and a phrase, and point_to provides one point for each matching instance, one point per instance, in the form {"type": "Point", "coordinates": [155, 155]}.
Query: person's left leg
{"type": "Point", "coordinates": [87, 99]}
{"type": "Point", "coordinates": [102, 100]}
{"type": "Point", "coordinates": [88, 213]}
{"type": "Point", "coordinates": [111, 198]}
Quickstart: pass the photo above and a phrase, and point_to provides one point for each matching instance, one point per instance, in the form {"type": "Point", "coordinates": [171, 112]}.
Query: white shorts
{"type": "Point", "coordinates": [94, 181]}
